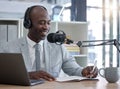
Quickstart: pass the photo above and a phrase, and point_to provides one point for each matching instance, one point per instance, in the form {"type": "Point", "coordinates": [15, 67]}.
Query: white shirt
{"type": "Point", "coordinates": [32, 53]}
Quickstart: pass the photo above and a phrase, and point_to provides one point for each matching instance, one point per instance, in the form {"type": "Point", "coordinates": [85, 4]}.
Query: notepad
{"type": "Point", "coordinates": [75, 79]}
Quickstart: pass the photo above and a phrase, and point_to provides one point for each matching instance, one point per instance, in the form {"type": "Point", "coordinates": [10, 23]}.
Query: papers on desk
{"type": "Point", "coordinates": [74, 78]}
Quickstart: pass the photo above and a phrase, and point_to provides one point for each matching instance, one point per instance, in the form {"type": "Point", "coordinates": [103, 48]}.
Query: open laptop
{"type": "Point", "coordinates": [13, 70]}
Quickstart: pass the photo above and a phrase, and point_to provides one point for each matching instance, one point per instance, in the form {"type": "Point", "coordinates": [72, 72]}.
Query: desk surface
{"type": "Point", "coordinates": [101, 84]}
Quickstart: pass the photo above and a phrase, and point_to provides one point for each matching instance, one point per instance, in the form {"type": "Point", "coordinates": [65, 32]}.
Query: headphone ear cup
{"type": "Point", "coordinates": [27, 24]}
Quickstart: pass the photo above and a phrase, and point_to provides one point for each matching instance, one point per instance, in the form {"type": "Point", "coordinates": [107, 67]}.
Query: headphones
{"type": "Point", "coordinates": [27, 21]}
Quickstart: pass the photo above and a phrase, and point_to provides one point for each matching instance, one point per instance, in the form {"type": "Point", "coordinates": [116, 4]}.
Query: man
{"type": "Point", "coordinates": [53, 57]}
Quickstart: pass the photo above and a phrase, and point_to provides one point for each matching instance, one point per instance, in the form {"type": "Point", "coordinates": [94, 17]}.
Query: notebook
{"type": "Point", "coordinates": [13, 70]}
{"type": "Point", "coordinates": [75, 79]}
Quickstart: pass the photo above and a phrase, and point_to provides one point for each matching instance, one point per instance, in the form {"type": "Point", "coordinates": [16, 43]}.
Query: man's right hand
{"type": "Point", "coordinates": [41, 74]}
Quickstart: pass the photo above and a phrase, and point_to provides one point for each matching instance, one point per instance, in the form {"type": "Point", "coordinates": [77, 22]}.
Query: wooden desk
{"type": "Point", "coordinates": [101, 84]}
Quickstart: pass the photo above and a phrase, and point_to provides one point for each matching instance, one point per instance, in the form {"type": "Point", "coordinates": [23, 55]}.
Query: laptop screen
{"type": "Point", "coordinates": [13, 70]}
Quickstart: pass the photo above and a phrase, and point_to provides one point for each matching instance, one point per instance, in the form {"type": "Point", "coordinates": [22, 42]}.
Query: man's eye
{"type": "Point", "coordinates": [44, 22]}
{"type": "Point", "coordinates": [48, 22]}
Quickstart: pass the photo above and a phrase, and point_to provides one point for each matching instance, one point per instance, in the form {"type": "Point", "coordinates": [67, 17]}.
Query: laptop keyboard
{"type": "Point", "coordinates": [40, 81]}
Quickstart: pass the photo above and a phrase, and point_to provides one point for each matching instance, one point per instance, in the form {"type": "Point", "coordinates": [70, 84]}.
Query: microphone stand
{"type": "Point", "coordinates": [101, 42]}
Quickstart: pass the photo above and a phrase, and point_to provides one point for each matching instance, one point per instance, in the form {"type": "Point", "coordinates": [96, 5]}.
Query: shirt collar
{"type": "Point", "coordinates": [32, 43]}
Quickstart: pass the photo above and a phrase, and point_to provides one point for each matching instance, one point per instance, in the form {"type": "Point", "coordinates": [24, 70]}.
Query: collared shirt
{"type": "Point", "coordinates": [32, 53]}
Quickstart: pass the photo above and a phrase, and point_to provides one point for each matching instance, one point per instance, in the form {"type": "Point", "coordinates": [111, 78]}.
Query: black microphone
{"type": "Point", "coordinates": [58, 37]}
{"type": "Point", "coordinates": [55, 37]}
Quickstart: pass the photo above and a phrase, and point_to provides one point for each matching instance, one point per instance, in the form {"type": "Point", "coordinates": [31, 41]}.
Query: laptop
{"type": "Point", "coordinates": [13, 70]}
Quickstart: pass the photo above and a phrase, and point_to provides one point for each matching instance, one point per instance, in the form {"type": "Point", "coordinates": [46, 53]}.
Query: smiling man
{"type": "Point", "coordinates": [52, 57]}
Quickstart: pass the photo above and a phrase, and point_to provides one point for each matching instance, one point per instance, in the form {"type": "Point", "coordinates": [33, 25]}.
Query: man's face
{"type": "Point", "coordinates": [40, 24]}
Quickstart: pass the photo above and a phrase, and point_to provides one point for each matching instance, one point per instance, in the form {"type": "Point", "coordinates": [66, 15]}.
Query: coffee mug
{"type": "Point", "coordinates": [111, 74]}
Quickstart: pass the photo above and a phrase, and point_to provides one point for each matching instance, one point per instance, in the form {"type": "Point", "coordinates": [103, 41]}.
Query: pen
{"type": "Point", "coordinates": [95, 64]}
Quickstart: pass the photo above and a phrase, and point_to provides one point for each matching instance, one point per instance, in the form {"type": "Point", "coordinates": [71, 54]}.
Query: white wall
{"type": "Point", "coordinates": [17, 9]}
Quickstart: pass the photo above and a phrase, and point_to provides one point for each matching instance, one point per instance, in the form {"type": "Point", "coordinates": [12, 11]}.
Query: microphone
{"type": "Point", "coordinates": [59, 38]}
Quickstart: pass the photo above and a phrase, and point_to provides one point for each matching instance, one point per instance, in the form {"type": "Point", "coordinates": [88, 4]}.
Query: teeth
{"type": "Point", "coordinates": [44, 32]}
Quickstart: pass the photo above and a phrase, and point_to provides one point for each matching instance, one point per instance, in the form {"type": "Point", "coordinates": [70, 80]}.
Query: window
{"type": "Point", "coordinates": [102, 26]}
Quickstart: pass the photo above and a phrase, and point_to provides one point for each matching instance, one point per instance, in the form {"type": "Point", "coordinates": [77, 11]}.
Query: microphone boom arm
{"type": "Point", "coordinates": [104, 42]}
